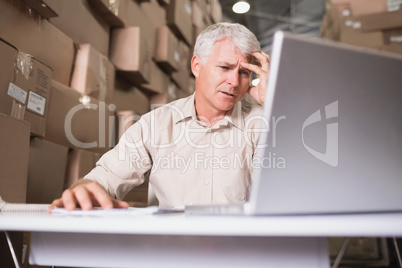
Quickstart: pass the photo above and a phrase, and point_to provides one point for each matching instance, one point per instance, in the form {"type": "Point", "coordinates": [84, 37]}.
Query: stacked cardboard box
{"type": "Point", "coordinates": [14, 155]}
{"type": "Point", "coordinates": [37, 37]}
{"type": "Point", "coordinates": [46, 171]}
{"type": "Point", "coordinates": [372, 24]}
{"type": "Point", "coordinates": [81, 72]}
{"type": "Point", "coordinates": [79, 163]}
{"type": "Point", "coordinates": [24, 87]}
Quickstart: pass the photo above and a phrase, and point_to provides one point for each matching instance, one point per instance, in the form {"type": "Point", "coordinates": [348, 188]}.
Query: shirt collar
{"type": "Point", "coordinates": [187, 110]}
{"type": "Point", "coordinates": [233, 116]}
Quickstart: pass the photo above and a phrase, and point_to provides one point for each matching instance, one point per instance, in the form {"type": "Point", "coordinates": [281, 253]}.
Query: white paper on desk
{"type": "Point", "coordinates": [107, 212]}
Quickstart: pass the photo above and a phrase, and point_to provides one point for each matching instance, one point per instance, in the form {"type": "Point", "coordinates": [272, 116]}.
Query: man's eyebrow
{"type": "Point", "coordinates": [228, 64]}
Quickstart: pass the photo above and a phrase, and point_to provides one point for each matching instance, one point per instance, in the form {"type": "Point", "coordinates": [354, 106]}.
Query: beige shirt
{"type": "Point", "coordinates": [189, 162]}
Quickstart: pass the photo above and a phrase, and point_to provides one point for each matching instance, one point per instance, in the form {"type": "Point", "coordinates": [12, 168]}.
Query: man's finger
{"type": "Point", "coordinates": [263, 57]}
{"type": "Point", "coordinates": [100, 195]}
{"type": "Point", "coordinates": [119, 204]}
{"type": "Point", "coordinates": [68, 200]}
{"type": "Point", "coordinates": [56, 203]}
{"type": "Point", "coordinates": [83, 198]}
{"type": "Point", "coordinates": [252, 67]}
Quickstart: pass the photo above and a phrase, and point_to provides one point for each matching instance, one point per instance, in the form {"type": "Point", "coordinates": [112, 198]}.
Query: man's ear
{"type": "Point", "coordinates": [195, 65]}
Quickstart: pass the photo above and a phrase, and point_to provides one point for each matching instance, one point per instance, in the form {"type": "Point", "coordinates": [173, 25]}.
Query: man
{"type": "Point", "coordinates": [200, 149]}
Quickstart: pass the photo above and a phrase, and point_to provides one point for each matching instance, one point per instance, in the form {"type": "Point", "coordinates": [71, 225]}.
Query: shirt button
{"type": "Point", "coordinates": [206, 182]}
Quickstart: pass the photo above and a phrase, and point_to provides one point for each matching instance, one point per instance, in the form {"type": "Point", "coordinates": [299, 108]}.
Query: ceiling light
{"type": "Point", "coordinates": [241, 7]}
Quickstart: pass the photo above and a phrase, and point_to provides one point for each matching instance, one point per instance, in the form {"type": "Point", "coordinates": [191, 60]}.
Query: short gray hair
{"type": "Point", "coordinates": [240, 36]}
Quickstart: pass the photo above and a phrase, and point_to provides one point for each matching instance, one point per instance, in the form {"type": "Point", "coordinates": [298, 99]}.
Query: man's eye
{"type": "Point", "coordinates": [224, 67]}
{"type": "Point", "coordinates": [246, 73]}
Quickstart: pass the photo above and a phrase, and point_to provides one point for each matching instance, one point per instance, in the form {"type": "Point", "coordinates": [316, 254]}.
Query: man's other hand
{"type": "Point", "coordinates": [86, 194]}
{"type": "Point", "coordinates": [258, 92]}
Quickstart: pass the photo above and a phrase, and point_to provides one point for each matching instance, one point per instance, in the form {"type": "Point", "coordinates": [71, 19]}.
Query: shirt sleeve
{"type": "Point", "coordinates": [122, 168]}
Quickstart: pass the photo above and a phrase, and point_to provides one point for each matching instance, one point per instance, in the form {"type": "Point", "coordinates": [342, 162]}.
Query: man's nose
{"type": "Point", "coordinates": [233, 78]}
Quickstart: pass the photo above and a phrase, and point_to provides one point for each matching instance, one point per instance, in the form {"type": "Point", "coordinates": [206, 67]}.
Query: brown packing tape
{"type": "Point", "coordinates": [24, 64]}
{"type": "Point", "coordinates": [114, 6]}
{"type": "Point", "coordinates": [18, 110]}
{"type": "Point", "coordinates": [102, 78]}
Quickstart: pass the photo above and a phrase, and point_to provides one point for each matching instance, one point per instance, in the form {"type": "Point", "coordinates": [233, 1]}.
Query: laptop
{"type": "Point", "coordinates": [336, 130]}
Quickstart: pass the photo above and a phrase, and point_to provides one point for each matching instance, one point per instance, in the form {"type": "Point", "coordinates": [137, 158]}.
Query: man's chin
{"type": "Point", "coordinates": [226, 106]}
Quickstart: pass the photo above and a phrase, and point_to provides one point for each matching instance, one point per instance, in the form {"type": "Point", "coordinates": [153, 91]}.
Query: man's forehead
{"type": "Point", "coordinates": [229, 52]}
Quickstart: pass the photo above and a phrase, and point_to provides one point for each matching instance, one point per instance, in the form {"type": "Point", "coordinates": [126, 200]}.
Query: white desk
{"type": "Point", "coordinates": [177, 240]}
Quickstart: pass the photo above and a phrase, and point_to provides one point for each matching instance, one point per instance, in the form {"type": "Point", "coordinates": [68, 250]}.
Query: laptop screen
{"type": "Point", "coordinates": [335, 139]}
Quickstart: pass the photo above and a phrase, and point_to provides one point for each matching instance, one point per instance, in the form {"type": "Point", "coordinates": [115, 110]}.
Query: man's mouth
{"type": "Point", "coordinates": [228, 94]}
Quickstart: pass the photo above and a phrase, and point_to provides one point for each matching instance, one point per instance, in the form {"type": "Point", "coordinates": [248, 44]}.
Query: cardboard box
{"type": "Point", "coordinates": [381, 21]}
{"type": "Point", "coordinates": [39, 38]}
{"type": "Point", "coordinates": [197, 29]}
{"type": "Point", "coordinates": [131, 53]}
{"type": "Point", "coordinates": [191, 85]}
{"type": "Point", "coordinates": [361, 7]}
{"type": "Point", "coordinates": [158, 83]}
{"type": "Point", "coordinates": [155, 12]}
{"type": "Point", "coordinates": [14, 143]}
{"type": "Point", "coordinates": [216, 11]}
{"type": "Point", "coordinates": [197, 16]}
{"type": "Point", "coordinates": [79, 122]}
{"type": "Point", "coordinates": [137, 16]}
{"type": "Point", "coordinates": [182, 94]}
{"type": "Point", "coordinates": [179, 19]}
{"type": "Point", "coordinates": [45, 8]}
{"type": "Point", "coordinates": [129, 97]}
{"type": "Point", "coordinates": [394, 5]}
{"type": "Point", "coordinates": [83, 24]}
{"type": "Point", "coordinates": [338, 11]}
{"type": "Point", "coordinates": [203, 4]}
{"type": "Point", "coordinates": [93, 74]}
{"type": "Point", "coordinates": [393, 48]}
{"type": "Point", "coordinates": [393, 36]}
{"type": "Point", "coordinates": [364, 7]}
{"type": "Point", "coordinates": [167, 50]}
{"type": "Point", "coordinates": [164, 2]}
{"type": "Point", "coordinates": [113, 11]}
{"type": "Point", "coordinates": [183, 73]}
{"type": "Point", "coordinates": [24, 87]}
{"type": "Point", "coordinates": [79, 164]}
{"type": "Point", "coordinates": [370, 40]}
{"type": "Point", "coordinates": [46, 171]}
{"type": "Point", "coordinates": [158, 100]}
{"type": "Point", "coordinates": [125, 119]}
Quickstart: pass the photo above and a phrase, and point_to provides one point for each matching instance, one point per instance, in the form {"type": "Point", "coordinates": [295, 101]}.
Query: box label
{"type": "Point", "coordinates": [36, 103]}
{"type": "Point", "coordinates": [17, 93]}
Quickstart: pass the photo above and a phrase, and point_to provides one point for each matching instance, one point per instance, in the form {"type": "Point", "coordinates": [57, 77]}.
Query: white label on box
{"type": "Point", "coordinates": [396, 39]}
{"type": "Point", "coordinates": [17, 93]}
{"type": "Point", "coordinates": [187, 7]}
{"type": "Point", "coordinates": [36, 103]}
{"type": "Point", "coordinates": [176, 56]}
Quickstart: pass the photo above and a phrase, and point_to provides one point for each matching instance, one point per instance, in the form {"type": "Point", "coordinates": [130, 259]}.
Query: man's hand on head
{"type": "Point", "coordinates": [258, 92]}
{"type": "Point", "coordinates": [86, 194]}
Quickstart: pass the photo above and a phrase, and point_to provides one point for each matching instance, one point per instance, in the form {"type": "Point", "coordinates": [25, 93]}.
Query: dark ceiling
{"type": "Point", "coordinates": [267, 16]}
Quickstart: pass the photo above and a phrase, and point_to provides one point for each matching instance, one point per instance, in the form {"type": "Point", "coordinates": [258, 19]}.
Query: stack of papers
{"type": "Point", "coordinates": [115, 211]}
